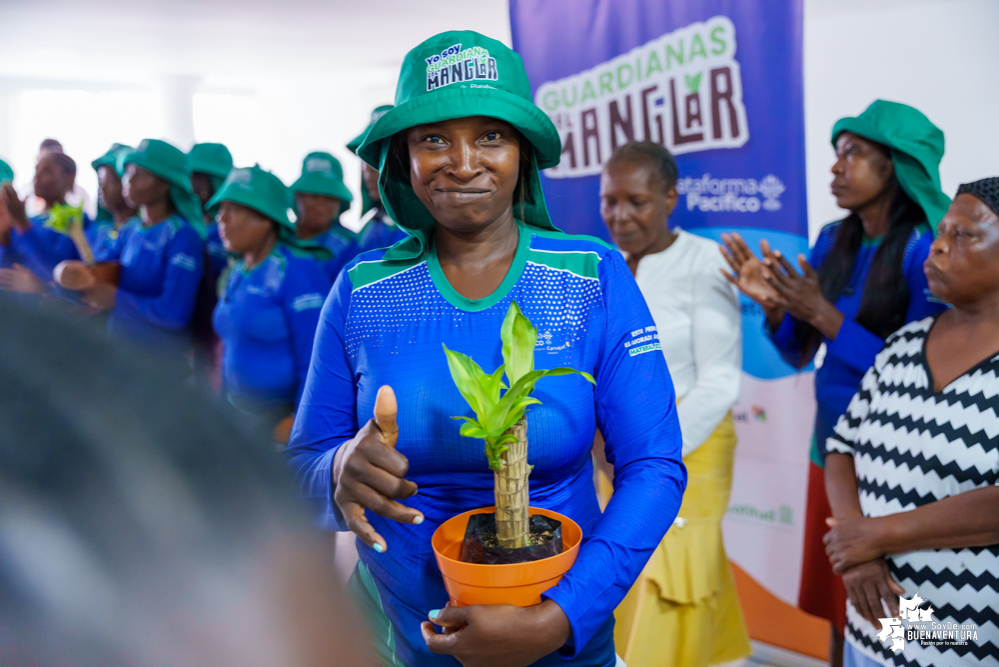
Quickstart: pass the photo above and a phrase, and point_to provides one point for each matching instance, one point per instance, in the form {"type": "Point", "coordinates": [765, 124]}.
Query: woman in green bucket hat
{"type": "Point", "coordinates": [862, 281]}
{"type": "Point", "coordinates": [113, 210]}
{"type": "Point", "coordinates": [458, 158]}
{"type": "Point", "coordinates": [160, 250]}
{"type": "Point", "coordinates": [267, 312]}
{"type": "Point", "coordinates": [320, 197]}
{"type": "Point", "coordinates": [378, 231]}
{"type": "Point", "coordinates": [210, 164]}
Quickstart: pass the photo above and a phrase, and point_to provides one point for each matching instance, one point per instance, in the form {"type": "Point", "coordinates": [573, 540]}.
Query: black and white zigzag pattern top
{"type": "Point", "coordinates": [911, 447]}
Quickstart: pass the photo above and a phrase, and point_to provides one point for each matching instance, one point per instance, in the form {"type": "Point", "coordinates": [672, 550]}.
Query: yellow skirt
{"type": "Point", "coordinates": [684, 609]}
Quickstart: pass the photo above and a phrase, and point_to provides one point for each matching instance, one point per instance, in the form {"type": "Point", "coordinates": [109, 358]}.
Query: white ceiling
{"type": "Point", "coordinates": [224, 42]}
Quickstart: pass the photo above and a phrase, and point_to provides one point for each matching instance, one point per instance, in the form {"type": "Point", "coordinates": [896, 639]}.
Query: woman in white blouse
{"type": "Point", "coordinates": [684, 609]}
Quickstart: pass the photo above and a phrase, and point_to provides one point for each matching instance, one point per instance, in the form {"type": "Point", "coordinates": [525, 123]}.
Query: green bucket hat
{"type": "Point", "coordinates": [355, 143]}
{"type": "Point", "coordinates": [916, 146]}
{"type": "Point", "coordinates": [212, 159]}
{"type": "Point", "coordinates": [110, 159]}
{"type": "Point", "coordinates": [6, 173]}
{"type": "Point", "coordinates": [322, 174]}
{"type": "Point", "coordinates": [264, 192]}
{"type": "Point", "coordinates": [452, 75]}
{"type": "Point", "coordinates": [169, 163]}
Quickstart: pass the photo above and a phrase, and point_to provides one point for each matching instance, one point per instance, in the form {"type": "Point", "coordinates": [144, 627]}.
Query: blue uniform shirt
{"type": "Point", "coordinates": [160, 270]}
{"type": "Point", "coordinates": [103, 238]}
{"type": "Point", "coordinates": [342, 243]}
{"type": "Point", "coordinates": [218, 256]}
{"type": "Point", "coordinates": [39, 248]}
{"type": "Point", "coordinates": [378, 232]}
{"type": "Point", "coordinates": [853, 350]}
{"type": "Point", "coordinates": [384, 323]}
{"type": "Point", "coordinates": [267, 318]}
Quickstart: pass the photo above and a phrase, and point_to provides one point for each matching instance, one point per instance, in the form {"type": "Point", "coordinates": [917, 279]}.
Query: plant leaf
{"type": "Point", "coordinates": [470, 379]}
{"type": "Point", "coordinates": [519, 338]}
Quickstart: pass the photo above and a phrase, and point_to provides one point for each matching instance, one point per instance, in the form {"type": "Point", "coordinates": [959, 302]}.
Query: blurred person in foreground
{"type": "Point", "coordinates": [140, 524]}
{"type": "Point", "coordinates": [267, 313]}
{"type": "Point", "coordinates": [32, 245]}
{"type": "Point", "coordinates": [912, 471]}
{"type": "Point", "coordinates": [378, 230]}
{"type": "Point", "coordinates": [863, 279]}
{"type": "Point", "coordinates": [321, 197]}
{"type": "Point", "coordinates": [684, 609]}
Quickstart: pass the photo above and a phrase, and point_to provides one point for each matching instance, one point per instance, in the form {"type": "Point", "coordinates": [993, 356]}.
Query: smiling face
{"type": "Point", "coordinates": [241, 229]}
{"type": "Point", "coordinates": [963, 264]}
{"type": "Point", "coordinates": [316, 213]}
{"type": "Point", "coordinates": [635, 204]}
{"type": "Point", "coordinates": [862, 172]}
{"type": "Point", "coordinates": [52, 181]}
{"type": "Point", "coordinates": [142, 187]}
{"type": "Point", "coordinates": [465, 171]}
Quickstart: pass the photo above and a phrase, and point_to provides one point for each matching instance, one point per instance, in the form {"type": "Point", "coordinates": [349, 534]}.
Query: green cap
{"type": "Point", "coordinates": [258, 189]}
{"type": "Point", "coordinates": [916, 146]}
{"type": "Point", "coordinates": [355, 143]}
{"type": "Point", "coordinates": [322, 174]}
{"type": "Point", "coordinates": [264, 192]}
{"type": "Point", "coordinates": [6, 173]}
{"type": "Point", "coordinates": [169, 163]}
{"type": "Point", "coordinates": [110, 159]}
{"type": "Point", "coordinates": [212, 159]}
{"type": "Point", "coordinates": [459, 74]}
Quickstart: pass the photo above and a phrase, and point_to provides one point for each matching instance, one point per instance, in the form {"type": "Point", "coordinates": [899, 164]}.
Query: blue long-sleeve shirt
{"type": "Point", "coordinates": [218, 256]}
{"type": "Point", "coordinates": [378, 232]}
{"type": "Point", "coordinates": [384, 323]}
{"type": "Point", "coordinates": [852, 352]}
{"type": "Point", "coordinates": [161, 267]}
{"type": "Point", "coordinates": [266, 319]}
{"type": "Point", "coordinates": [342, 243]}
{"type": "Point", "coordinates": [39, 248]}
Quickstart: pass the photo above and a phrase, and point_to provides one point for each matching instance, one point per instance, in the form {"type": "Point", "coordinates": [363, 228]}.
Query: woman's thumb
{"type": "Point", "coordinates": [450, 617]}
{"type": "Point", "coordinates": [386, 409]}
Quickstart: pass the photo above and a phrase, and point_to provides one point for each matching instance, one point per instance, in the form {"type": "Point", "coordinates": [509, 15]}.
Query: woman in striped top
{"type": "Point", "coordinates": [912, 473]}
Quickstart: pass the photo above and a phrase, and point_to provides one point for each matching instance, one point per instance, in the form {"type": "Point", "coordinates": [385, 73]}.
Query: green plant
{"type": "Point", "coordinates": [498, 412]}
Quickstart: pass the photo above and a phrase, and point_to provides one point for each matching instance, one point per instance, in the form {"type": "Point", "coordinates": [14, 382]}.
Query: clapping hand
{"type": "Point", "coordinates": [800, 293]}
{"type": "Point", "coordinates": [750, 275]}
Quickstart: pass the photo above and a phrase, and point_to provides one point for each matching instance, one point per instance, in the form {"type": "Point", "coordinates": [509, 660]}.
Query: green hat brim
{"type": "Point", "coordinates": [355, 143]}
{"type": "Point", "coordinates": [184, 200]}
{"type": "Point", "coordinates": [529, 120]}
{"type": "Point", "coordinates": [268, 209]}
{"type": "Point", "coordinates": [318, 184]}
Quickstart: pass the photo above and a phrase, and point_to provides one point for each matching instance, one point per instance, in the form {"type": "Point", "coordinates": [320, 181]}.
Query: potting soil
{"type": "Point", "coordinates": [481, 545]}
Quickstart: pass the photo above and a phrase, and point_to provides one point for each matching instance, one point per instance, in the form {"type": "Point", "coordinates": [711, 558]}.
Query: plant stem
{"type": "Point", "coordinates": [512, 492]}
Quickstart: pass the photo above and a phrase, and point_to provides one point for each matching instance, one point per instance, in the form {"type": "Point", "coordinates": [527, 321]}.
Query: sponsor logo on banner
{"type": "Point", "coordinates": [782, 515]}
{"type": "Point", "coordinates": [915, 624]}
{"type": "Point", "coordinates": [682, 90]}
{"type": "Point", "coordinates": [731, 195]}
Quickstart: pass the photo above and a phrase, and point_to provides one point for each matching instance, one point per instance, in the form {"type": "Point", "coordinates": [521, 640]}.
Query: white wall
{"type": "Point", "coordinates": [941, 57]}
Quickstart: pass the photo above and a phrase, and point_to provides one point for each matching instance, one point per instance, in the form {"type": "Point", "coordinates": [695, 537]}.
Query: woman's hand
{"type": "Point", "coordinates": [498, 635]}
{"type": "Point", "coordinates": [749, 276]}
{"type": "Point", "coordinates": [852, 541]}
{"type": "Point", "coordinates": [101, 296]}
{"type": "Point", "coordinates": [15, 208]}
{"type": "Point", "coordinates": [800, 292]}
{"type": "Point", "coordinates": [368, 473]}
{"type": "Point", "coordinates": [867, 585]}
{"type": "Point", "coordinates": [20, 279]}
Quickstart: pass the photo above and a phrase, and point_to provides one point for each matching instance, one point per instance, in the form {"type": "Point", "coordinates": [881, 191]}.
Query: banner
{"type": "Point", "coordinates": [719, 83]}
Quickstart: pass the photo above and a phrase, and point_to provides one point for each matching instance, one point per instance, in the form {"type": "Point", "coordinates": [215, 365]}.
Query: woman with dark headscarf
{"type": "Point", "coordinates": [913, 466]}
{"type": "Point", "coordinates": [459, 169]}
{"type": "Point", "coordinates": [862, 281]}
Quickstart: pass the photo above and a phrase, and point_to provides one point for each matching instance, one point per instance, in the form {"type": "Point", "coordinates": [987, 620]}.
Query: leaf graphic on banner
{"type": "Point", "coordinates": [693, 82]}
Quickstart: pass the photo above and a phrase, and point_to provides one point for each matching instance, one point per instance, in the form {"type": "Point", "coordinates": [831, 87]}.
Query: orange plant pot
{"type": "Point", "coordinates": [519, 584]}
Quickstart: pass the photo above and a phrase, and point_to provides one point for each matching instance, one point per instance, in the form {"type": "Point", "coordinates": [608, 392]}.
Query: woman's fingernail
{"type": "Point", "coordinates": [378, 547]}
{"type": "Point", "coordinates": [418, 519]}
{"type": "Point", "coordinates": [434, 613]}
